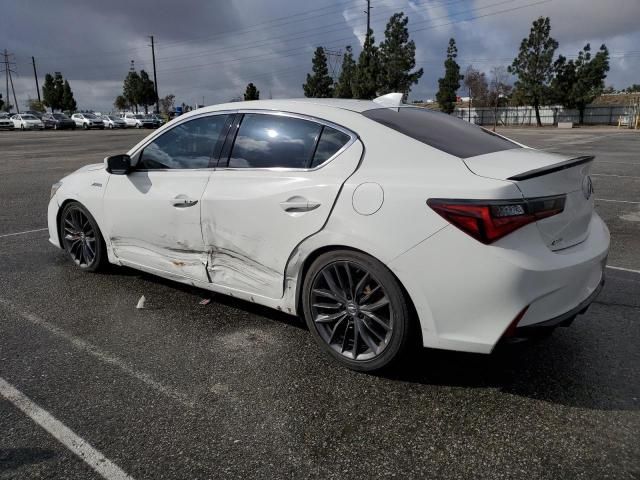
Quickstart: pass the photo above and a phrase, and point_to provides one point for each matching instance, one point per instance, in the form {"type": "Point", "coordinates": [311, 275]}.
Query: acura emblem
{"type": "Point", "coordinates": [587, 187]}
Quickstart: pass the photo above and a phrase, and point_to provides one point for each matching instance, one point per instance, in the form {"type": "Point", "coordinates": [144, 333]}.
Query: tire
{"type": "Point", "coordinates": [76, 227]}
{"type": "Point", "coordinates": [22, 127]}
{"type": "Point", "coordinates": [74, 127]}
{"type": "Point", "coordinates": [55, 126]}
{"type": "Point", "coordinates": [85, 126]}
{"type": "Point", "coordinates": [363, 339]}
{"type": "Point", "coordinates": [110, 126]}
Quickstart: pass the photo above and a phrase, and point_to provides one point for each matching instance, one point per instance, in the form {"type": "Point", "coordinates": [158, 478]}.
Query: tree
{"type": "Point", "coordinates": [120, 103]}
{"type": "Point", "coordinates": [252, 93]}
{"type": "Point", "coordinates": [344, 87]}
{"type": "Point", "coordinates": [1, 103]}
{"type": "Point", "coordinates": [633, 88]}
{"type": "Point", "coordinates": [534, 65]}
{"type": "Point", "coordinates": [166, 103]}
{"type": "Point", "coordinates": [367, 78]}
{"type": "Point", "coordinates": [578, 82]}
{"type": "Point", "coordinates": [131, 89]}
{"type": "Point", "coordinates": [476, 83]}
{"type": "Point", "coordinates": [449, 85]}
{"type": "Point", "coordinates": [499, 91]}
{"type": "Point", "coordinates": [52, 91]}
{"type": "Point", "coordinates": [146, 91]}
{"type": "Point", "coordinates": [397, 57]}
{"type": "Point", "coordinates": [319, 84]}
{"type": "Point", "coordinates": [36, 105]}
{"type": "Point", "coordinates": [68, 102]}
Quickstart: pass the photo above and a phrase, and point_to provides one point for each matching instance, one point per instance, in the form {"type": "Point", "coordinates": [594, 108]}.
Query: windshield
{"type": "Point", "coordinates": [90, 116]}
{"type": "Point", "coordinates": [438, 130]}
{"type": "Point", "coordinates": [139, 115]}
{"type": "Point", "coordinates": [59, 116]}
{"type": "Point", "coordinates": [111, 117]}
{"type": "Point", "coordinates": [28, 117]}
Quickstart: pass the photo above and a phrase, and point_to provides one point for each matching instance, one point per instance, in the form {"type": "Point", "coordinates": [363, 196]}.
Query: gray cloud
{"type": "Point", "coordinates": [212, 49]}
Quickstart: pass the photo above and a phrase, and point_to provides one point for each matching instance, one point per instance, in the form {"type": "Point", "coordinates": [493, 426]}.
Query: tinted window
{"type": "Point", "coordinates": [331, 140]}
{"type": "Point", "coordinates": [265, 141]}
{"type": "Point", "coordinates": [444, 132]}
{"type": "Point", "coordinates": [188, 145]}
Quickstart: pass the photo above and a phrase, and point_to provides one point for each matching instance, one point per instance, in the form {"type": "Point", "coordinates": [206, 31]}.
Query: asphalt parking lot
{"type": "Point", "coordinates": [181, 390]}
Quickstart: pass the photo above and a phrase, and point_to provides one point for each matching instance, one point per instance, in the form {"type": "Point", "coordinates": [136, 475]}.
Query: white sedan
{"type": "Point", "coordinates": [382, 226]}
{"type": "Point", "coordinates": [26, 121]}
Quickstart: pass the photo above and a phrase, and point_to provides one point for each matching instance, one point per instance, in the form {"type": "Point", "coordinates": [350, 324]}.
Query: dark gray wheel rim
{"type": "Point", "coordinates": [79, 237]}
{"type": "Point", "coordinates": [351, 310]}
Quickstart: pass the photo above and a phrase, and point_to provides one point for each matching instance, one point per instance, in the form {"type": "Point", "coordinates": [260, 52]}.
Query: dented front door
{"type": "Point", "coordinates": [153, 220]}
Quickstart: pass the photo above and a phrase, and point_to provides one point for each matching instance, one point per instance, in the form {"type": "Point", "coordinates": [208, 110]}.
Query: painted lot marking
{"type": "Point", "coordinates": [101, 355]}
{"type": "Point", "coordinates": [616, 201]}
{"type": "Point", "coordinates": [23, 233]}
{"type": "Point", "coordinates": [63, 434]}
{"type": "Point", "coordinates": [612, 175]}
{"type": "Point", "coordinates": [623, 269]}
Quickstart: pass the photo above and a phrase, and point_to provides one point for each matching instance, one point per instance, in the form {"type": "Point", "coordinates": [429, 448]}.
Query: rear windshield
{"type": "Point", "coordinates": [438, 130]}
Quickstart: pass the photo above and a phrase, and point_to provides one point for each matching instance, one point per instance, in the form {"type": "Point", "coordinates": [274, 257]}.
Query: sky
{"type": "Point", "coordinates": [208, 51]}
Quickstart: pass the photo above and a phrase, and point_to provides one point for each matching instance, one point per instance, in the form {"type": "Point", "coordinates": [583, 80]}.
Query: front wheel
{"type": "Point", "coordinates": [81, 238]}
{"type": "Point", "coordinates": [356, 310]}
{"type": "Point", "coordinates": [85, 126]}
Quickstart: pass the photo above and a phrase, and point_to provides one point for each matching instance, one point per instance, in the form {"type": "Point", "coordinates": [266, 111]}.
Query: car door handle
{"type": "Point", "coordinates": [182, 201]}
{"type": "Point", "coordinates": [298, 204]}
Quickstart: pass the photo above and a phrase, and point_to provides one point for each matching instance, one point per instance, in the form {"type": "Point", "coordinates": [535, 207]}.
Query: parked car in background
{"type": "Point", "coordinates": [111, 121]}
{"type": "Point", "coordinates": [157, 119]}
{"type": "Point", "coordinates": [26, 121]}
{"type": "Point", "coordinates": [34, 113]}
{"type": "Point", "coordinates": [137, 120]}
{"type": "Point", "coordinates": [58, 121]}
{"type": "Point", "coordinates": [87, 121]}
{"type": "Point", "coordinates": [5, 122]}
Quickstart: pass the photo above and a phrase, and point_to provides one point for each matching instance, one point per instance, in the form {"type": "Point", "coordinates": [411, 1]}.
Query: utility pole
{"type": "Point", "coordinates": [368, 12]}
{"type": "Point", "coordinates": [8, 78]}
{"type": "Point", "coordinates": [35, 74]}
{"type": "Point", "coordinates": [155, 78]}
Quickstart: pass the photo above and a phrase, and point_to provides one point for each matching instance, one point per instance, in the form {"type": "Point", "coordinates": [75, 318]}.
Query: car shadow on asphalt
{"type": "Point", "coordinates": [559, 369]}
{"type": "Point", "coordinates": [13, 458]}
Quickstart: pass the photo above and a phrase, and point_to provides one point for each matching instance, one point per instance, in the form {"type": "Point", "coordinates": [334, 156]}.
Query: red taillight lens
{"type": "Point", "coordinates": [488, 221]}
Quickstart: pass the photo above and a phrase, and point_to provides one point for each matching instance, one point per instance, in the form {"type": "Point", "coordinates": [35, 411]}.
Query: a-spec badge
{"type": "Point", "coordinates": [587, 187]}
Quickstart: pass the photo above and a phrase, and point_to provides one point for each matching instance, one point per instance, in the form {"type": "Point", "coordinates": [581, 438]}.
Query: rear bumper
{"type": "Point", "coordinates": [563, 320]}
{"type": "Point", "coordinates": [468, 294]}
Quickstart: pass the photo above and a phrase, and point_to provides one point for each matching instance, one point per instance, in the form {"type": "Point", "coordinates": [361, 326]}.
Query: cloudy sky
{"type": "Point", "coordinates": [211, 49]}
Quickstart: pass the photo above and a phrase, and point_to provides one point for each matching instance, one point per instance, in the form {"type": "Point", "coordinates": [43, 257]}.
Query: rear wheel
{"type": "Point", "coordinates": [356, 310]}
{"type": "Point", "coordinates": [85, 126]}
{"type": "Point", "coordinates": [81, 237]}
{"type": "Point", "coordinates": [22, 127]}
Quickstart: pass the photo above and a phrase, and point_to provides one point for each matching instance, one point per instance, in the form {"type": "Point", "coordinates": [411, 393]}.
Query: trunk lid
{"type": "Point", "coordinates": [542, 174]}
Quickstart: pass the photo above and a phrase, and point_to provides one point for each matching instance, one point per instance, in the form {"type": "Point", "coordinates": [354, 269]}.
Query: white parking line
{"type": "Point", "coordinates": [617, 201]}
{"type": "Point", "coordinates": [612, 175]}
{"type": "Point", "coordinates": [22, 233]}
{"type": "Point", "coordinates": [623, 269]}
{"type": "Point", "coordinates": [101, 355]}
{"type": "Point", "coordinates": [63, 434]}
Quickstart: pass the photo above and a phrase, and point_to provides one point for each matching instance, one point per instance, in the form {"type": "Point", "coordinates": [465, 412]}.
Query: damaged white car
{"type": "Point", "coordinates": [380, 224]}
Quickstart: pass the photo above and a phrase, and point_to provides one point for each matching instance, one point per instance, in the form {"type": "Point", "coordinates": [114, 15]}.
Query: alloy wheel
{"type": "Point", "coordinates": [351, 310]}
{"type": "Point", "coordinates": [79, 237]}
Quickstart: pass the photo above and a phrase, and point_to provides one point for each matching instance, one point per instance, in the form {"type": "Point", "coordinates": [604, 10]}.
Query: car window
{"type": "Point", "coordinates": [444, 132]}
{"type": "Point", "coordinates": [267, 141]}
{"type": "Point", "coordinates": [188, 145]}
{"type": "Point", "coordinates": [331, 140]}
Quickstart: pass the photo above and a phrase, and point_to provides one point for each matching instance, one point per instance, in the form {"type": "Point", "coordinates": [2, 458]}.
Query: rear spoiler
{"type": "Point", "coordinates": [538, 172]}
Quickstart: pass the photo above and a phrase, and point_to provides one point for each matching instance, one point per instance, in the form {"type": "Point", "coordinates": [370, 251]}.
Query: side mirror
{"type": "Point", "coordinates": [118, 164]}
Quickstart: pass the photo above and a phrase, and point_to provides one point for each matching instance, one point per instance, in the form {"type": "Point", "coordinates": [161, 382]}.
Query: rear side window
{"type": "Point", "coordinates": [188, 145]}
{"type": "Point", "coordinates": [267, 141]}
{"type": "Point", "coordinates": [444, 132]}
{"type": "Point", "coordinates": [331, 140]}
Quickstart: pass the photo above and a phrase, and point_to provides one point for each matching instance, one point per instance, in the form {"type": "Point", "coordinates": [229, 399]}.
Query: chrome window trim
{"type": "Point", "coordinates": [353, 137]}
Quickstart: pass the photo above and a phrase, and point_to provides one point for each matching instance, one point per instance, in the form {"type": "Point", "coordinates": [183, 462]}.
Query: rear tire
{"type": "Point", "coordinates": [81, 238]}
{"type": "Point", "coordinates": [356, 310]}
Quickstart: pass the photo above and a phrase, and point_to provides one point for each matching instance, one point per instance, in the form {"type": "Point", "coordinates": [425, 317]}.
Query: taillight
{"type": "Point", "coordinates": [488, 220]}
